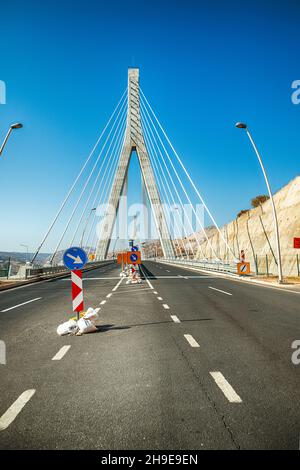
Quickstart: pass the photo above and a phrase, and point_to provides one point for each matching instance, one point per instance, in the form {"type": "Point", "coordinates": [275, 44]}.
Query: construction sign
{"type": "Point", "coordinates": [77, 292]}
{"type": "Point", "coordinates": [134, 257]}
{"type": "Point", "coordinates": [122, 258]}
{"type": "Point", "coordinates": [92, 256]}
{"type": "Point", "coordinates": [243, 268]}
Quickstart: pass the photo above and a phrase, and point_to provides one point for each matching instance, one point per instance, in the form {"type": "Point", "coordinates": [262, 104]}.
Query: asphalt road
{"type": "Point", "coordinates": [182, 361]}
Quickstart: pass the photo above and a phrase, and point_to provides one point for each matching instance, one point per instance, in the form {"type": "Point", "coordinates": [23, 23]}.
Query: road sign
{"type": "Point", "coordinates": [243, 268]}
{"type": "Point", "coordinates": [134, 257]}
{"type": "Point", "coordinates": [74, 258]}
{"type": "Point", "coordinates": [122, 258]}
{"type": "Point", "coordinates": [242, 256]}
{"type": "Point", "coordinates": [134, 248]}
{"type": "Point", "coordinates": [77, 293]}
{"type": "Point", "coordinates": [92, 256]}
{"type": "Point", "coordinates": [296, 242]}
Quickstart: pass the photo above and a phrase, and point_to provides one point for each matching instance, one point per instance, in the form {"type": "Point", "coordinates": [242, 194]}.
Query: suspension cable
{"type": "Point", "coordinates": [75, 181]}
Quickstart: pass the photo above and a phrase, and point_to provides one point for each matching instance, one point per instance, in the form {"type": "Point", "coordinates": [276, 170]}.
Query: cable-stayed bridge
{"type": "Point", "coordinates": [171, 195]}
{"type": "Point", "coordinates": [186, 359]}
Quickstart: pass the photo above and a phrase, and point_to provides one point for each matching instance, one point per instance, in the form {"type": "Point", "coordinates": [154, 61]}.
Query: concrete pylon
{"type": "Point", "coordinates": [134, 141]}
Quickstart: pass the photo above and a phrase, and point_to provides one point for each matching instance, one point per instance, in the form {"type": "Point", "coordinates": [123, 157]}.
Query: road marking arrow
{"type": "Point", "coordinates": [77, 259]}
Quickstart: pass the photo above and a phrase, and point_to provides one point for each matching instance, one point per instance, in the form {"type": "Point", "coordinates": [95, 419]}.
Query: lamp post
{"type": "Point", "coordinates": [115, 247]}
{"type": "Point", "coordinates": [241, 125]}
{"type": "Point", "coordinates": [86, 224]}
{"type": "Point", "coordinates": [18, 125]}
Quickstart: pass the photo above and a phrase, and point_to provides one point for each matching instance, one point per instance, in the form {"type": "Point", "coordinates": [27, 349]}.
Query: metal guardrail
{"type": "Point", "coordinates": [36, 272]}
{"type": "Point", "coordinates": [209, 265]}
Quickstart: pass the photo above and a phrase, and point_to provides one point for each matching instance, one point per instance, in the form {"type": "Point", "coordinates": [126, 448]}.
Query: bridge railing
{"type": "Point", "coordinates": [31, 272]}
{"type": "Point", "coordinates": [222, 267]}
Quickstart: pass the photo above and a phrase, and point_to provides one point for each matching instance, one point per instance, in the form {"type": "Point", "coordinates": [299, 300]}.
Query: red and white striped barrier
{"type": "Point", "coordinates": [77, 293]}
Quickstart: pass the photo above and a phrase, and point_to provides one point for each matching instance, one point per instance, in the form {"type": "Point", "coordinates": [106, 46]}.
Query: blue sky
{"type": "Point", "coordinates": [204, 66]}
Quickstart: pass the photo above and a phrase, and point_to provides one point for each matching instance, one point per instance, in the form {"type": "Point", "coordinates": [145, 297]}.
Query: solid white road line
{"type": "Point", "coordinates": [166, 306]}
{"type": "Point", "coordinates": [192, 341]}
{"type": "Point", "coordinates": [116, 287]}
{"type": "Point", "coordinates": [61, 353]}
{"type": "Point", "coordinates": [13, 411]}
{"type": "Point", "coordinates": [19, 305]}
{"type": "Point", "coordinates": [175, 319]}
{"type": "Point", "coordinates": [103, 302]}
{"type": "Point", "coordinates": [148, 282]}
{"type": "Point", "coordinates": [159, 298]}
{"type": "Point", "coordinates": [109, 295]}
{"type": "Point", "coordinates": [92, 278]}
{"type": "Point", "coordinates": [219, 290]}
{"type": "Point", "coordinates": [226, 388]}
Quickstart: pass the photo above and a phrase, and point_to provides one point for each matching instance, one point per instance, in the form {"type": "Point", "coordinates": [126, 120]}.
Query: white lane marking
{"type": "Point", "coordinates": [148, 282]}
{"type": "Point", "coordinates": [159, 298]}
{"type": "Point", "coordinates": [19, 305]}
{"type": "Point", "coordinates": [91, 278]}
{"type": "Point", "coordinates": [182, 277]}
{"type": "Point", "coordinates": [109, 295]}
{"type": "Point", "coordinates": [175, 319]}
{"type": "Point", "coordinates": [155, 292]}
{"type": "Point", "coordinates": [116, 287]}
{"type": "Point", "coordinates": [219, 290]}
{"type": "Point", "coordinates": [166, 306]}
{"type": "Point", "coordinates": [103, 302]}
{"type": "Point", "coordinates": [58, 356]}
{"type": "Point", "coordinates": [168, 271]}
{"type": "Point", "coordinates": [10, 415]}
{"type": "Point", "coordinates": [226, 388]}
{"type": "Point", "coordinates": [142, 289]}
{"type": "Point", "coordinates": [192, 341]}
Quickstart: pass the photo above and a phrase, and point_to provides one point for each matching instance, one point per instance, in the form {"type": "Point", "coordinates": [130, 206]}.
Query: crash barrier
{"type": "Point", "coordinates": [208, 265]}
{"type": "Point", "coordinates": [45, 271]}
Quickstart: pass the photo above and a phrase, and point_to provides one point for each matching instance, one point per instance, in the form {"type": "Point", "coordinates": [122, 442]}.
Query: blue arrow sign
{"type": "Point", "coordinates": [75, 258]}
{"type": "Point", "coordinates": [134, 248]}
{"type": "Point", "coordinates": [133, 257]}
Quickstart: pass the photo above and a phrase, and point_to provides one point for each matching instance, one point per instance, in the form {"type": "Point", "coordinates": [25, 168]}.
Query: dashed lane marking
{"type": "Point", "coordinates": [191, 341]}
{"type": "Point", "coordinates": [175, 319]}
{"type": "Point", "coordinates": [10, 415]}
{"type": "Point", "coordinates": [226, 388]}
{"type": "Point", "coordinates": [159, 298]}
{"type": "Point", "coordinates": [61, 353]}
{"type": "Point", "coordinates": [20, 305]}
{"type": "Point", "coordinates": [103, 302]}
{"type": "Point", "coordinates": [109, 295]}
{"type": "Point", "coordinates": [219, 290]}
{"type": "Point", "coordinates": [166, 306]}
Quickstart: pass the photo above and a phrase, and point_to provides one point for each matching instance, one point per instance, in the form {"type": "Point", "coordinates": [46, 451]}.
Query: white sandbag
{"type": "Point", "coordinates": [92, 314]}
{"type": "Point", "coordinates": [86, 326]}
{"type": "Point", "coordinates": [67, 328]}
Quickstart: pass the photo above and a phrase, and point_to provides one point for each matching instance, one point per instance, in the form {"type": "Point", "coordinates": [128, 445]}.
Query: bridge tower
{"type": "Point", "coordinates": [134, 141]}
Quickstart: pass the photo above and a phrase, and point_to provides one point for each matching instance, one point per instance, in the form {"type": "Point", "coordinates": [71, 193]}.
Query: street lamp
{"type": "Point", "coordinates": [86, 224]}
{"type": "Point", "coordinates": [114, 249]}
{"type": "Point", "coordinates": [241, 125]}
{"type": "Point", "coordinates": [17, 125]}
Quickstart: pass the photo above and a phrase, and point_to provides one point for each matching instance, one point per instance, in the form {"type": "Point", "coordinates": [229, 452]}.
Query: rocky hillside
{"type": "Point", "coordinates": [253, 232]}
